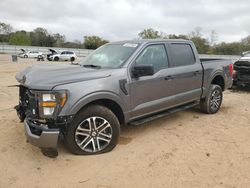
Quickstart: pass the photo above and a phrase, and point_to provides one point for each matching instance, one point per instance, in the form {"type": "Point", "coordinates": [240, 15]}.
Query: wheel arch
{"type": "Point", "coordinates": [214, 78]}
{"type": "Point", "coordinates": [219, 80]}
{"type": "Point", "coordinates": [111, 101]}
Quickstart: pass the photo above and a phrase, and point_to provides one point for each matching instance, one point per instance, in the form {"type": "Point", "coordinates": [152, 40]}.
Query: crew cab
{"type": "Point", "coordinates": [128, 82]}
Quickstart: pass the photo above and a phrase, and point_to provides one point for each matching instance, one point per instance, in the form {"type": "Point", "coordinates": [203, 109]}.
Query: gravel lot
{"type": "Point", "coordinates": [186, 149]}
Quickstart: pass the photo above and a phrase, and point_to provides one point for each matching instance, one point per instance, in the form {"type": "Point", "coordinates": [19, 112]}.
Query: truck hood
{"type": "Point", "coordinates": [46, 76]}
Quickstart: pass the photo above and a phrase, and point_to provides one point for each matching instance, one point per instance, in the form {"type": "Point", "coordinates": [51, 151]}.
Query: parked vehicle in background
{"type": "Point", "coordinates": [242, 70]}
{"type": "Point", "coordinates": [30, 54]}
{"type": "Point", "coordinates": [52, 52]}
{"type": "Point", "coordinates": [21, 54]}
{"type": "Point", "coordinates": [63, 56]}
{"type": "Point", "coordinates": [245, 56]}
{"type": "Point", "coordinates": [129, 82]}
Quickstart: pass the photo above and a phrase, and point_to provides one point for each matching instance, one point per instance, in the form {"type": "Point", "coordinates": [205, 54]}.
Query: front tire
{"type": "Point", "coordinates": [56, 59]}
{"type": "Point", "coordinates": [211, 104]}
{"type": "Point", "coordinates": [94, 130]}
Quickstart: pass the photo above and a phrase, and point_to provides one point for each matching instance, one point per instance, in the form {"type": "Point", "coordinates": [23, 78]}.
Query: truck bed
{"type": "Point", "coordinates": [220, 65]}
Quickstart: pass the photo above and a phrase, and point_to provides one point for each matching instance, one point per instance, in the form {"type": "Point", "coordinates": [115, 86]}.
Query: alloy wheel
{"type": "Point", "coordinates": [215, 100]}
{"type": "Point", "coordinates": [93, 134]}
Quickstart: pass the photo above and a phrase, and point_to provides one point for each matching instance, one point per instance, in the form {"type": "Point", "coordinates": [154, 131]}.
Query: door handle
{"type": "Point", "coordinates": [168, 78]}
{"type": "Point", "coordinates": [196, 73]}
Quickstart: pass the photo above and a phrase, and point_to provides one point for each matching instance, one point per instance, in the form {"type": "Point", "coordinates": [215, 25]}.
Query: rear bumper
{"type": "Point", "coordinates": [40, 136]}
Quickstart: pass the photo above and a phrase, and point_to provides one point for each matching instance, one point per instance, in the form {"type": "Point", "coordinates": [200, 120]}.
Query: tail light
{"type": "Point", "coordinates": [231, 70]}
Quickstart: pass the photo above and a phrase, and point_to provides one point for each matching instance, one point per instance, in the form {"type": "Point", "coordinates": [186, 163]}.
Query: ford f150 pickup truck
{"type": "Point", "coordinates": [129, 82]}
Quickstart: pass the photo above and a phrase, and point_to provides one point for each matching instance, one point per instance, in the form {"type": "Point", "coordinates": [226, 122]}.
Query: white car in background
{"type": "Point", "coordinates": [63, 56]}
{"type": "Point", "coordinates": [30, 54]}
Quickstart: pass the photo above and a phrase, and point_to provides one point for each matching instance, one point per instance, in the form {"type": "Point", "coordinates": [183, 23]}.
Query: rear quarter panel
{"type": "Point", "coordinates": [215, 68]}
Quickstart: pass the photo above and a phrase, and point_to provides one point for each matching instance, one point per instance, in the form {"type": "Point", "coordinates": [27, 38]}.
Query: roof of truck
{"type": "Point", "coordinates": [140, 41]}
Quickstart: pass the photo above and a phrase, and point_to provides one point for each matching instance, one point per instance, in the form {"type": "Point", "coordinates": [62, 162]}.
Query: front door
{"type": "Point", "coordinates": [151, 94]}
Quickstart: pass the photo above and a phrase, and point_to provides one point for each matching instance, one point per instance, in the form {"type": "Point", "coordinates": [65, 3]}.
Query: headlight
{"type": "Point", "coordinates": [51, 103]}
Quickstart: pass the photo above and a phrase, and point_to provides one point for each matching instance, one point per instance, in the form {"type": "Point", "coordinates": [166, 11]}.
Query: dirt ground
{"type": "Point", "coordinates": [186, 149]}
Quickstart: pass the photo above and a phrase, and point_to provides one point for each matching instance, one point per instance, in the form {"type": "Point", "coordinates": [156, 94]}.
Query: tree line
{"type": "Point", "coordinates": [204, 45]}
{"type": "Point", "coordinates": [41, 37]}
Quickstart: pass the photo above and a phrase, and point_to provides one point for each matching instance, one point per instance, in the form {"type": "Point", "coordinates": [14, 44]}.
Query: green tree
{"type": "Point", "coordinates": [234, 48]}
{"type": "Point", "coordinates": [5, 30]}
{"type": "Point", "coordinates": [49, 41]}
{"type": "Point", "coordinates": [201, 44]}
{"type": "Point", "coordinates": [58, 40]}
{"type": "Point", "coordinates": [93, 42]}
{"type": "Point", "coordinates": [150, 34]}
{"type": "Point", "coordinates": [39, 37]}
{"type": "Point", "coordinates": [245, 42]}
{"type": "Point", "coordinates": [75, 44]}
{"type": "Point", "coordinates": [20, 38]}
{"type": "Point", "coordinates": [174, 36]}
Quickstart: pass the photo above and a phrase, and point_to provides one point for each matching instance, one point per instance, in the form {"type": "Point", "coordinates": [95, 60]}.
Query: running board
{"type": "Point", "coordinates": [163, 114]}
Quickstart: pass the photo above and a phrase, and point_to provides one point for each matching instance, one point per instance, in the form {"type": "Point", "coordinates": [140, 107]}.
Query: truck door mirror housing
{"type": "Point", "coordinates": [142, 70]}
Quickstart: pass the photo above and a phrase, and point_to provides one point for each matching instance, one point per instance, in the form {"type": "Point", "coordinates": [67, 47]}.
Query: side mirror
{"type": "Point", "coordinates": [143, 70]}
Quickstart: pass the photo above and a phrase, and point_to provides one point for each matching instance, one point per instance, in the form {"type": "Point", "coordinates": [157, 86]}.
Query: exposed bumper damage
{"type": "Point", "coordinates": [43, 133]}
{"type": "Point", "coordinates": [40, 135]}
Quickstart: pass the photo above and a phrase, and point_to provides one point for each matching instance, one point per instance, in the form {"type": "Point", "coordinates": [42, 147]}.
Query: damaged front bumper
{"type": "Point", "coordinates": [40, 131]}
{"type": "Point", "coordinates": [41, 136]}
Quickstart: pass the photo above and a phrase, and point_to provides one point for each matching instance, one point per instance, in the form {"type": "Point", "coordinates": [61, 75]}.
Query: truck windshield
{"type": "Point", "coordinates": [110, 55]}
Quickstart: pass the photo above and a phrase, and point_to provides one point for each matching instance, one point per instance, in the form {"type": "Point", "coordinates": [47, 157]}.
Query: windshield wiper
{"type": "Point", "coordinates": [92, 66]}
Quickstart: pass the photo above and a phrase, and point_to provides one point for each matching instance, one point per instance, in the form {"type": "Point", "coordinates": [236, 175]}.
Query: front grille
{"type": "Point", "coordinates": [28, 102]}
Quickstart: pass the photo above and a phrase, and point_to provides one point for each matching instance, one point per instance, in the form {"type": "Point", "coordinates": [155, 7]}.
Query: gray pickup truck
{"type": "Point", "coordinates": [129, 82]}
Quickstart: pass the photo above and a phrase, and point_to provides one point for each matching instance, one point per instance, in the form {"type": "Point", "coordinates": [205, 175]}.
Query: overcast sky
{"type": "Point", "coordinates": [124, 19]}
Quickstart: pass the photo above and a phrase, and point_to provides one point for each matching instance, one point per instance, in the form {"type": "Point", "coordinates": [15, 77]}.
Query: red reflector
{"type": "Point", "coordinates": [231, 69]}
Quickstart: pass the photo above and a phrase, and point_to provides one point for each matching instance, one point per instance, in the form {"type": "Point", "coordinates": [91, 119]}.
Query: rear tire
{"type": "Point", "coordinates": [211, 104]}
{"type": "Point", "coordinates": [94, 130]}
{"type": "Point", "coordinates": [25, 56]}
{"type": "Point", "coordinates": [72, 59]}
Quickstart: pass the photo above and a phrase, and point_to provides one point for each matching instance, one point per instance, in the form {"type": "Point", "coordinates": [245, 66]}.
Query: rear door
{"type": "Point", "coordinates": [150, 94]}
{"type": "Point", "coordinates": [187, 72]}
{"type": "Point", "coordinates": [70, 54]}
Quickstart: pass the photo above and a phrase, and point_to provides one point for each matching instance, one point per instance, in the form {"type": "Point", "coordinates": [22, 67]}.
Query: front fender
{"type": "Point", "coordinates": [94, 97]}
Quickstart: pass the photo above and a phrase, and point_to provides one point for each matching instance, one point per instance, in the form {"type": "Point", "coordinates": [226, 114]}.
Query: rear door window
{"type": "Point", "coordinates": [182, 54]}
